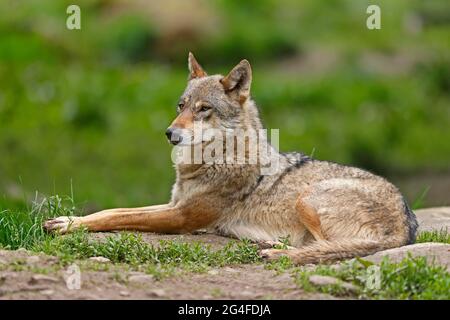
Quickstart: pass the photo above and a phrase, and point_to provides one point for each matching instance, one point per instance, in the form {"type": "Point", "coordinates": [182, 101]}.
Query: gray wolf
{"type": "Point", "coordinates": [328, 211]}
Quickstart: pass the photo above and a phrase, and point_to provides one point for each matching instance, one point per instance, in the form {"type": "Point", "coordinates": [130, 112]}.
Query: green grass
{"type": "Point", "coordinates": [129, 248]}
{"type": "Point", "coordinates": [127, 251]}
{"type": "Point", "coordinates": [412, 278]}
{"type": "Point", "coordinates": [130, 251]}
{"type": "Point", "coordinates": [434, 236]}
{"type": "Point", "coordinates": [22, 228]}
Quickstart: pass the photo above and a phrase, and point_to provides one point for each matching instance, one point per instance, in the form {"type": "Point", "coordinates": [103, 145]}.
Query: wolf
{"type": "Point", "coordinates": [327, 211]}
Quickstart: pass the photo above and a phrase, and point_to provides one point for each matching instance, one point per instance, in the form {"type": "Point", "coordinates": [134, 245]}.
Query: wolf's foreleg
{"type": "Point", "coordinates": [160, 219]}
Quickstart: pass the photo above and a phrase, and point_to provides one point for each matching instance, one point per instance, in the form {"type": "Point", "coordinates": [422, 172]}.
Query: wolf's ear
{"type": "Point", "coordinates": [237, 83]}
{"type": "Point", "coordinates": [195, 69]}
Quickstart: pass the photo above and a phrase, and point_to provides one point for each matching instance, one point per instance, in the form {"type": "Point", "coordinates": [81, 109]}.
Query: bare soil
{"type": "Point", "coordinates": [232, 282]}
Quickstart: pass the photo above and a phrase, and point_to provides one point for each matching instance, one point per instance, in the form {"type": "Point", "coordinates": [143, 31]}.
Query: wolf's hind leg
{"type": "Point", "coordinates": [309, 218]}
{"type": "Point", "coordinates": [329, 251]}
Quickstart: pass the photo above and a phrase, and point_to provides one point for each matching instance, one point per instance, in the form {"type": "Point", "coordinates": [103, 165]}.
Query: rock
{"type": "Point", "coordinates": [39, 278]}
{"type": "Point", "coordinates": [157, 293]}
{"type": "Point", "coordinates": [247, 294]}
{"type": "Point", "coordinates": [309, 267]}
{"type": "Point", "coordinates": [6, 275]}
{"type": "Point", "coordinates": [322, 281]}
{"type": "Point", "coordinates": [140, 278]}
{"type": "Point", "coordinates": [213, 272]}
{"type": "Point", "coordinates": [433, 218]}
{"type": "Point", "coordinates": [124, 293]}
{"type": "Point", "coordinates": [100, 259]}
{"type": "Point", "coordinates": [52, 260]}
{"type": "Point", "coordinates": [33, 259]}
{"type": "Point", "coordinates": [432, 250]}
{"type": "Point", "coordinates": [47, 292]}
{"type": "Point", "coordinates": [86, 296]}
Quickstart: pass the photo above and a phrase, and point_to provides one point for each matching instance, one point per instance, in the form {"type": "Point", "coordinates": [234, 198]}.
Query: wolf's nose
{"type": "Point", "coordinates": [169, 133]}
{"type": "Point", "coordinates": [173, 135]}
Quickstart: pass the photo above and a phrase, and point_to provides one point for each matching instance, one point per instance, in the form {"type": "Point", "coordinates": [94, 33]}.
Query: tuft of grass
{"type": "Point", "coordinates": [434, 236]}
{"type": "Point", "coordinates": [22, 228]}
{"type": "Point", "coordinates": [411, 278]}
{"type": "Point", "coordinates": [281, 265]}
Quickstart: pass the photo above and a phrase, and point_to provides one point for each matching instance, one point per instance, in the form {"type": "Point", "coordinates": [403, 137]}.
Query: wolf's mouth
{"type": "Point", "coordinates": [175, 140]}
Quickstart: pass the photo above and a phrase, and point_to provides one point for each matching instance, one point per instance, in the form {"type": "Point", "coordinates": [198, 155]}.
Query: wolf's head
{"type": "Point", "coordinates": [214, 102]}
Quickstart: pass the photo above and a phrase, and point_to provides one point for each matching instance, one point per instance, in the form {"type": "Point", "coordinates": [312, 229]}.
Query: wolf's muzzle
{"type": "Point", "coordinates": [174, 135]}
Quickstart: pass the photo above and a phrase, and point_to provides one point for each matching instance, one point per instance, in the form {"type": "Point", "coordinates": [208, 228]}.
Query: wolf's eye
{"type": "Point", "coordinates": [205, 108]}
{"type": "Point", "coordinates": [180, 107]}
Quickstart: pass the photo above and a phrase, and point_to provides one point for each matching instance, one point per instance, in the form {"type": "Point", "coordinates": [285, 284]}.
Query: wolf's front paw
{"type": "Point", "coordinates": [61, 224]}
{"type": "Point", "coordinates": [274, 254]}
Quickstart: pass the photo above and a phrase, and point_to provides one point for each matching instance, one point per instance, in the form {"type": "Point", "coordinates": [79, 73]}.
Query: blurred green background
{"type": "Point", "coordinates": [88, 108]}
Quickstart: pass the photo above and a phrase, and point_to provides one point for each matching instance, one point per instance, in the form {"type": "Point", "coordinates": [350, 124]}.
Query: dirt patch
{"type": "Point", "coordinates": [43, 278]}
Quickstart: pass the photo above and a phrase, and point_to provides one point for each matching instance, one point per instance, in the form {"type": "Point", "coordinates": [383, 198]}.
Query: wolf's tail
{"type": "Point", "coordinates": [329, 251]}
